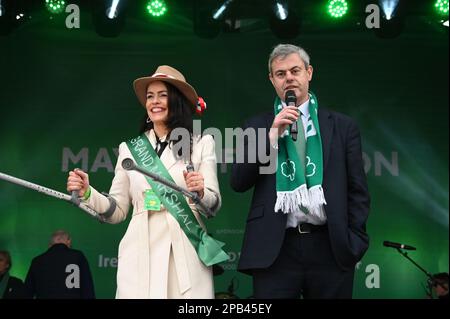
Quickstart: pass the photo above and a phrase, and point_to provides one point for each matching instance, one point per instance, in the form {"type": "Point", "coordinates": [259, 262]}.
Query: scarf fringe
{"type": "Point", "coordinates": [317, 200]}
{"type": "Point", "coordinates": [313, 199]}
{"type": "Point", "coordinates": [290, 202]}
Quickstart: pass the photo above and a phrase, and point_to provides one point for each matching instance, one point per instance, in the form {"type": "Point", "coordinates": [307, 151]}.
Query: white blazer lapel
{"type": "Point", "coordinates": [168, 158]}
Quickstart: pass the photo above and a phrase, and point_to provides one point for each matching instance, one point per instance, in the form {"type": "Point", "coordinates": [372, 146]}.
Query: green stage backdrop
{"type": "Point", "coordinates": [66, 101]}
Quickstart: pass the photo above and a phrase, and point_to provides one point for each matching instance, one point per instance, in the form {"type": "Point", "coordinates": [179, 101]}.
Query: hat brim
{"type": "Point", "coordinates": [141, 84]}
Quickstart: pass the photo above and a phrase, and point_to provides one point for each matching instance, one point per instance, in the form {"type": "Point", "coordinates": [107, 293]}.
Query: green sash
{"type": "Point", "coordinates": [208, 249]}
{"type": "Point", "coordinates": [4, 284]}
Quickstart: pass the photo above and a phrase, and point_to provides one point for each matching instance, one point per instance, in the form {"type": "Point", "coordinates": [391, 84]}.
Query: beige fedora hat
{"type": "Point", "coordinates": [167, 74]}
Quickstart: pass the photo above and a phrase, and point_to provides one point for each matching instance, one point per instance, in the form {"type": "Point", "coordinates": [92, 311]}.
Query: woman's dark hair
{"type": "Point", "coordinates": [180, 114]}
{"type": "Point", "coordinates": [7, 257]}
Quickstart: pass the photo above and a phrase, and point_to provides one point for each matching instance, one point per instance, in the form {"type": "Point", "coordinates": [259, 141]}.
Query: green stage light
{"type": "Point", "coordinates": [442, 6]}
{"type": "Point", "coordinates": [337, 8]}
{"type": "Point", "coordinates": [156, 8]}
{"type": "Point", "coordinates": [55, 6]}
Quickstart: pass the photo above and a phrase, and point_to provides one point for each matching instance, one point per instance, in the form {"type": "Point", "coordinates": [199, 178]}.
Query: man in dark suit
{"type": "Point", "coordinates": [306, 228]}
{"type": "Point", "coordinates": [10, 287]}
{"type": "Point", "coordinates": [60, 273]}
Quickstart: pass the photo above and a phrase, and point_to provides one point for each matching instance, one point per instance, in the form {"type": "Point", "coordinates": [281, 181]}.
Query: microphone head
{"type": "Point", "coordinates": [290, 97]}
{"type": "Point", "coordinates": [128, 164]}
{"type": "Point", "coordinates": [387, 243]}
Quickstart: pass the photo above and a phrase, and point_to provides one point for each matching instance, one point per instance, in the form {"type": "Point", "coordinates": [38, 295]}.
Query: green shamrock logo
{"type": "Point", "coordinates": [310, 166]}
{"type": "Point", "coordinates": [288, 169]}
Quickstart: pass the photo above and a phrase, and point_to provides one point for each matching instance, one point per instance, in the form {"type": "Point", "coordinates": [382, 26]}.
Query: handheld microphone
{"type": "Point", "coordinates": [190, 168]}
{"type": "Point", "coordinates": [397, 245]}
{"type": "Point", "coordinates": [291, 100]}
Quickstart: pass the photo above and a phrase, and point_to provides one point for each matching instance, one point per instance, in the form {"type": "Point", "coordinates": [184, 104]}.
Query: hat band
{"type": "Point", "coordinates": [163, 75]}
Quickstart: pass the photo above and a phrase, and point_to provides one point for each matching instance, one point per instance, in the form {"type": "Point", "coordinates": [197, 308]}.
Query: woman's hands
{"type": "Point", "coordinates": [78, 181]}
{"type": "Point", "coordinates": [195, 183]}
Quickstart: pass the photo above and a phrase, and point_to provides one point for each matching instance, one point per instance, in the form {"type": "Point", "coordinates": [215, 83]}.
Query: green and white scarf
{"type": "Point", "coordinates": [299, 181]}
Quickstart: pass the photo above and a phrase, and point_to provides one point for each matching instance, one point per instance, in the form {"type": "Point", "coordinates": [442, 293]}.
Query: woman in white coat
{"type": "Point", "coordinates": [159, 257]}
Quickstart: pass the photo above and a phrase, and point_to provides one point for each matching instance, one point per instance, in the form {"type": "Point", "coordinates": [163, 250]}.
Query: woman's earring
{"type": "Point", "coordinates": [148, 120]}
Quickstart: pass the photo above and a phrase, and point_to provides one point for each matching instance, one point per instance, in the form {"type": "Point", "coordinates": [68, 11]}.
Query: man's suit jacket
{"type": "Point", "coordinates": [49, 274]}
{"type": "Point", "coordinates": [345, 189]}
{"type": "Point", "coordinates": [15, 289]}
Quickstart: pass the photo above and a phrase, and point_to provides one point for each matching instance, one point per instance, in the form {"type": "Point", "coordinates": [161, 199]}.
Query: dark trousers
{"type": "Point", "coordinates": [304, 268]}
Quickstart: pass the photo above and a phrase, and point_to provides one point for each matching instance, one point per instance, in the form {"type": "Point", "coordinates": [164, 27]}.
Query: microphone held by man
{"type": "Point", "coordinates": [291, 100]}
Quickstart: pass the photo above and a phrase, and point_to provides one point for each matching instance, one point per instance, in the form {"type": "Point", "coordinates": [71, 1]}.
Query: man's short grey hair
{"type": "Point", "coordinates": [59, 236]}
{"type": "Point", "coordinates": [283, 50]}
